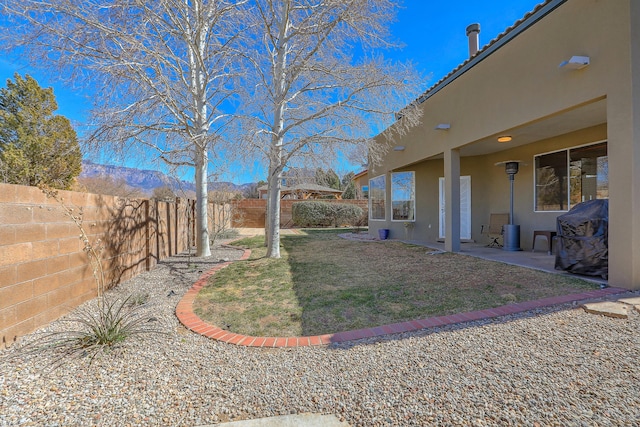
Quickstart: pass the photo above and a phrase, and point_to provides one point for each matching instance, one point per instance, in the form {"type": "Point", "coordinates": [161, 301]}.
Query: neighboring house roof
{"type": "Point", "coordinates": [360, 174]}
{"type": "Point", "coordinates": [518, 27]}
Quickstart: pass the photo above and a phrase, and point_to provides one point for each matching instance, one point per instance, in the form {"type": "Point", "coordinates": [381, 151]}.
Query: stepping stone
{"type": "Point", "coordinates": [301, 420]}
{"type": "Point", "coordinates": [635, 302]}
{"type": "Point", "coordinates": [607, 308]}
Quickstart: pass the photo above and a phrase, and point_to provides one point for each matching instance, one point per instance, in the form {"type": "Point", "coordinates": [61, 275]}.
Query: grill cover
{"type": "Point", "coordinates": [583, 239]}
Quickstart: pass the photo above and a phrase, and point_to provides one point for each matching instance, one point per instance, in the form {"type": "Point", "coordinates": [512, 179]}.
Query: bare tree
{"type": "Point", "coordinates": [319, 86]}
{"type": "Point", "coordinates": [165, 194]}
{"type": "Point", "coordinates": [107, 185]}
{"type": "Point", "coordinates": [222, 211]}
{"type": "Point", "coordinates": [160, 70]}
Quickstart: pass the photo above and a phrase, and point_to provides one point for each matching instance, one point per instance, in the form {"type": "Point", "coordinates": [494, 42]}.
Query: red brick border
{"type": "Point", "coordinates": [184, 312]}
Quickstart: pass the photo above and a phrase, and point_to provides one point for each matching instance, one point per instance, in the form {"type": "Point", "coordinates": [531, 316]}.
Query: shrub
{"type": "Point", "coordinates": [310, 214]}
{"type": "Point", "coordinates": [360, 223]}
{"type": "Point", "coordinates": [323, 214]}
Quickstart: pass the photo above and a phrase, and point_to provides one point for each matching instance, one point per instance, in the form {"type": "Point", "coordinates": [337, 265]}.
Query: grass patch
{"type": "Point", "coordinates": [324, 284]}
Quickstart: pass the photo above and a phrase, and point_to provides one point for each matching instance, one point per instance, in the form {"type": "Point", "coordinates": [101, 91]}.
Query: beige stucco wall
{"type": "Point", "coordinates": [520, 85]}
{"type": "Point", "coordinates": [360, 181]}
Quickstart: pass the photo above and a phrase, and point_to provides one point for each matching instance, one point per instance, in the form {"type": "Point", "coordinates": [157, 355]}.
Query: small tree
{"type": "Point", "coordinates": [349, 187]}
{"type": "Point", "coordinates": [222, 212]}
{"type": "Point", "coordinates": [328, 178]}
{"type": "Point", "coordinates": [36, 146]}
{"type": "Point", "coordinates": [251, 191]}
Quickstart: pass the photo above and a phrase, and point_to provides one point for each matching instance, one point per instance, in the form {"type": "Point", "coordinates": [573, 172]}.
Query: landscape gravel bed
{"type": "Point", "coordinates": [557, 366]}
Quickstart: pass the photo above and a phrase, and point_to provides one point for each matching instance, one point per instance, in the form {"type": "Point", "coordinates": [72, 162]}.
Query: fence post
{"type": "Point", "coordinates": [177, 230]}
{"type": "Point", "coordinates": [193, 222]}
{"type": "Point", "coordinates": [147, 235]}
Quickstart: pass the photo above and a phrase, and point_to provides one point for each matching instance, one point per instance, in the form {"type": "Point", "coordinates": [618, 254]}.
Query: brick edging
{"type": "Point", "coordinates": [184, 312]}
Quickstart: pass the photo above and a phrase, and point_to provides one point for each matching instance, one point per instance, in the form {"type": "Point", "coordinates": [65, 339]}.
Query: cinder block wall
{"type": "Point", "coordinates": [44, 271]}
{"type": "Point", "coordinates": [249, 213]}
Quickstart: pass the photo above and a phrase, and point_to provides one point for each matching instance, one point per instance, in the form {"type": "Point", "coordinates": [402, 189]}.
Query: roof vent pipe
{"type": "Point", "coordinates": [474, 42]}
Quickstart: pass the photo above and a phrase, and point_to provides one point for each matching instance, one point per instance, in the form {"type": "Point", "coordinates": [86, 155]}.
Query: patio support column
{"type": "Point", "coordinates": [452, 200]}
{"type": "Point", "coordinates": [623, 150]}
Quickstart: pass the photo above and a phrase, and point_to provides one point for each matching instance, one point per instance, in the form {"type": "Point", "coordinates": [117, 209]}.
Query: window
{"type": "Point", "coordinates": [568, 177]}
{"type": "Point", "coordinates": [403, 196]}
{"type": "Point", "coordinates": [365, 191]}
{"type": "Point", "coordinates": [377, 197]}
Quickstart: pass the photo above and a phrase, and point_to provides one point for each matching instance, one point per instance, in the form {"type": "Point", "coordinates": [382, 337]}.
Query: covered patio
{"type": "Point", "coordinates": [554, 94]}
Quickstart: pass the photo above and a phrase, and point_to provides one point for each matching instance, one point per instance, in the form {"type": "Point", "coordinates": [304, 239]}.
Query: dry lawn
{"type": "Point", "coordinates": [325, 284]}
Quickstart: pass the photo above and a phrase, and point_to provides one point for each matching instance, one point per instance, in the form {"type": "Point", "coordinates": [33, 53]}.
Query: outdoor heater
{"type": "Point", "coordinates": [511, 236]}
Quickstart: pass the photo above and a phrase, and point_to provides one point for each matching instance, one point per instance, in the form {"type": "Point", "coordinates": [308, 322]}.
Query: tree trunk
{"type": "Point", "coordinates": [275, 156]}
{"type": "Point", "coordinates": [267, 221]}
{"type": "Point", "coordinates": [202, 227]}
{"type": "Point", "coordinates": [273, 217]}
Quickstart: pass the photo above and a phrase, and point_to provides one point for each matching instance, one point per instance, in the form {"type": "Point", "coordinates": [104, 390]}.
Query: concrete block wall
{"type": "Point", "coordinates": [44, 271]}
{"type": "Point", "coordinates": [249, 213]}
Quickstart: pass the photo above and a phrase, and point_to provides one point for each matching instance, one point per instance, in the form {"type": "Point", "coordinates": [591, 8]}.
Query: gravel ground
{"type": "Point", "coordinates": [559, 366]}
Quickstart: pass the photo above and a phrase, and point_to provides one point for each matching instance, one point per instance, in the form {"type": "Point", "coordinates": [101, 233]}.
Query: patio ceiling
{"type": "Point", "coordinates": [581, 117]}
{"type": "Point", "coordinates": [584, 116]}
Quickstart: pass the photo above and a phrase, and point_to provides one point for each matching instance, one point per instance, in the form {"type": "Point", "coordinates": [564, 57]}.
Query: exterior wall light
{"type": "Point", "coordinates": [398, 148]}
{"type": "Point", "coordinates": [443, 126]}
{"type": "Point", "coordinates": [575, 63]}
{"type": "Point", "coordinates": [505, 138]}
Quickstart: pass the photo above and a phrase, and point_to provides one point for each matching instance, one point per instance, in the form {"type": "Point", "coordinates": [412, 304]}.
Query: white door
{"type": "Point", "coordinates": [465, 208]}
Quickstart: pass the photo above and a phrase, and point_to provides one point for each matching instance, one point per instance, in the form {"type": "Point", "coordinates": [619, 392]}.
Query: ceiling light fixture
{"type": "Point", "coordinates": [505, 138]}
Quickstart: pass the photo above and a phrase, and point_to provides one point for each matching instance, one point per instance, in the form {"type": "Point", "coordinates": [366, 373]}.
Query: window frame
{"type": "Point", "coordinates": [412, 192]}
{"type": "Point", "coordinates": [371, 199]}
{"type": "Point", "coordinates": [568, 172]}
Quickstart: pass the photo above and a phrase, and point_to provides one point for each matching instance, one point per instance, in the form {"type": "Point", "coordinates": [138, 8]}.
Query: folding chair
{"type": "Point", "coordinates": [495, 229]}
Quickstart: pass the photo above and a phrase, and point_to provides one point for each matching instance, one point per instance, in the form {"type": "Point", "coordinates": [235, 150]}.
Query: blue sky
{"type": "Point", "coordinates": [433, 34]}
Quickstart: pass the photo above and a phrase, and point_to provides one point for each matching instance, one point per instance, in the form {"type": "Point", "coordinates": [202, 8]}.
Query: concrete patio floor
{"type": "Point", "coordinates": [538, 260]}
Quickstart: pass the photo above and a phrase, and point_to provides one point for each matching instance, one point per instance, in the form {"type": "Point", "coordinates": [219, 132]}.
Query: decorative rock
{"type": "Point", "coordinates": [551, 366]}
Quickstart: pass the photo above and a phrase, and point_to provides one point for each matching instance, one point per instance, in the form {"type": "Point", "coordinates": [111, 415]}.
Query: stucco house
{"type": "Point", "coordinates": [558, 91]}
{"type": "Point", "coordinates": [361, 183]}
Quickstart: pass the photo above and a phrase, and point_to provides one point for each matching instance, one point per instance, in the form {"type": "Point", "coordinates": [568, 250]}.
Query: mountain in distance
{"type": "Point", "coordinates": [147, 180]}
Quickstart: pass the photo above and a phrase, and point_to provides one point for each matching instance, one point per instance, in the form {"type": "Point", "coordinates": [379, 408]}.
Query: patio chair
{"type": "Point", "coordinates": [495, 229]}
